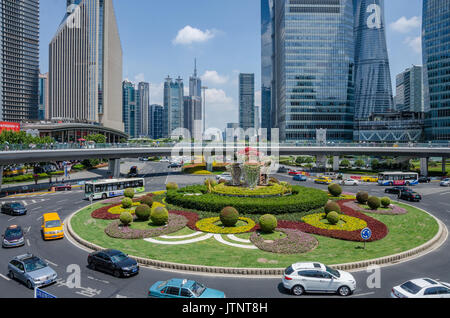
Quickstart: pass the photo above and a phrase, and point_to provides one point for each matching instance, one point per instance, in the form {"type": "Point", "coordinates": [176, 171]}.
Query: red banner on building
{"type": "Point", "coordinates": [4, 125]}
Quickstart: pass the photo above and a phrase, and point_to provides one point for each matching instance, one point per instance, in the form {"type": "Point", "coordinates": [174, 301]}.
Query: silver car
{"type": "Point", "coordinates": [317, 278]}
{"type": "Point", "coordinates": [445, 183]}
{"type": "Point", "coordinates": [32, 271]}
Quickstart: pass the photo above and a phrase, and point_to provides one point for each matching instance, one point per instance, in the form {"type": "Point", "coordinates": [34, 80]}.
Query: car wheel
{"type": "Point", "coordinates": [298, 290]}
{"type": "Point", "coordinates": [29, 285]}
{"type": "Point", "coordinates": [116, 273]}
{"type": "Point", "coordinates": [344, 291]}
{"type": "Point", "coordinates": [104, 196]}
{"type": "Point", "coordinates": [11, 275]}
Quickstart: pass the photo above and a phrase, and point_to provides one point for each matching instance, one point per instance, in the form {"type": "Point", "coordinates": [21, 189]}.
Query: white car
{"type": "Point", "coordinates": [224, 176]}
{"type": "Point", "coordinates": [445, 183]}
{"type": "Point", "coordinates": [422, 288]}
{"type": "Point", "coordinates": [317, 278]}
{"type": "Point", "coordinates": [164, 160]}
{"type": "Point", "coordinates": [350, 182]}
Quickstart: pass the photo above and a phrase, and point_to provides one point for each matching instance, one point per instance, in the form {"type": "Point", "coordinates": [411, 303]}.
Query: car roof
{"type": "Point", "coordinates": [111, 252]}
{"type": "Point", "coordinates": [24, 257]}
{"type": "Point", "coordinates": [51, 216]}
{"type": "Point", "coordinates": [14, 227]}
{"type": "Point", "coordinates": [425, 282]}
{"type": "Point", "coordinates": [309, 265]}
{"type": "Point", "coordinates": [178, 282]}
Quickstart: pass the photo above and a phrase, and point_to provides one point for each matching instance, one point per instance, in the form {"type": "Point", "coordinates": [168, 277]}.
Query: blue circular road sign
{"type": "Point", "coordinates": [366, 234]}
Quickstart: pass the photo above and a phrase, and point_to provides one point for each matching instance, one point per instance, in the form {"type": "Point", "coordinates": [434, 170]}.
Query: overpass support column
{"type": "Point", "coordinates": [336, 163]}
{"type": "Point", "coordinates": [444, 166]}
{"type": "Point", "coordinates": [114, 168]}
{"type": "Point", "coordinates": [424, 167]}
{"type": "Point", "coordinates": [1, 176]}
{"type": "Point", "coordinates": [321, 162]}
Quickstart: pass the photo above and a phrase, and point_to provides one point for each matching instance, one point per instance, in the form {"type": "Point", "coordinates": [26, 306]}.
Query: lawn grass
{"type": "Point", "coordinates": [405, 232]}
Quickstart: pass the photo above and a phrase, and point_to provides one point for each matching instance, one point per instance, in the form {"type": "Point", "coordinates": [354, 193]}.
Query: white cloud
{"type": "Point", "coordinates": [404, 25]}
{"type": "Point", "coordinates": [220, 108]}
{"type": "Point", "coordinates": [212, 77]}
{"type": "Point", "coordinates": [139, 78]}
{"type": "Point", "coordinates": [189, 35]}
{"type": "Point", "coordinates": [258, 98]}
{"type": "Point", "coordinates": [414, 43]}
{"type": "Point", "coordinates": [157, 93]}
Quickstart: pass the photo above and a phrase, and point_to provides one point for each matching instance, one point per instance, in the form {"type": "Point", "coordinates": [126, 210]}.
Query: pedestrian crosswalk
{"type": "Point", "coordinates": [24, 202]}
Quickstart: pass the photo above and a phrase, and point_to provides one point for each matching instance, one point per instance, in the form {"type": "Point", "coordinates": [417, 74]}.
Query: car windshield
{"type": "Point", "coordinates": [411, 288]}
{"type": "Point", "coordinates": [13, 233]}
{"type": "Point", "coordinates": [197, 289]}
{"type": "Point", "coordinates": [34, 264]}
{"type": "Point", "coordinates": [16, 206]}
{"type": "Point", "coordinates": [52, 224]}
{"type": "Point", "coordinates": [333, 271]}
{"type": "Point", "coordinates": [119, 257]}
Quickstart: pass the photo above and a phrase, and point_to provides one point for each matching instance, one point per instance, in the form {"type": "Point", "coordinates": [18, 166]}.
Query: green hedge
{"type": "Point", "coordinates": [302, 200]}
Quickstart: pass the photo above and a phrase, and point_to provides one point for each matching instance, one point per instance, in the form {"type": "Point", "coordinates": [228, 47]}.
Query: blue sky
{"type": "Point", "coordinates": [161, 38]}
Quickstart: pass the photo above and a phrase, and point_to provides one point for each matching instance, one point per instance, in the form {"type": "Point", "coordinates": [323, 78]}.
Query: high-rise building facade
{"type": "Point", "coordinates": [156, 117]}
{"type": "Point", "coordinates": [193, 107]}
{"type": "Point", "coordinates": [19, 60]}
{"type": "Point", "coordinates": [143, 104]}
{"type": "Point", "coordinates": [373, 87]}
{"type": "Point", "coordinates": [436, 63]}
{"type": "Point", "coordinates": [129, 111]}
{"type": "Point", "coordinates": [308, 52]}
{"type": "Point", "coordinates": [246, 101]}
{"type": "Point", "coordinates": [85, 65]}
{"type": "Point", "coordinates": [43, 96]}
{"type": "Point", "coordinates": [174, 104]}
{"type": "Point", "coordinates": [409, 90]}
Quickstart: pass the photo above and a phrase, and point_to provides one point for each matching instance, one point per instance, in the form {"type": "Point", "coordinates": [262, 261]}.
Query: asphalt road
{"type": "Point", "coordinates": [62, 255]}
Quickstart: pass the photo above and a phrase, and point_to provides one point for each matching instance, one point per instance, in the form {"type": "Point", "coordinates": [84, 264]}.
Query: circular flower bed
{"type": "Point", "coordinates": [116, 230]}
{"type": "Point", "coordinates": [210, 226]}
{"type": "Point", "coordinates": [348, 223]}
{"type": "Point", "coordinates": [258, 192]}
{"type": "Point", "coordinates": [296, 242]}
{"type": "Point", "coordinates": [118, 209]}
{"type": "Point", "coordinates": [392, 210]}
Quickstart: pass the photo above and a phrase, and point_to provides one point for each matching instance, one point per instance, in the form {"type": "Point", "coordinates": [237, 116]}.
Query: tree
{"type": "Point", "coordinates": [375, 164]}
{"type": "Point", "coordinates": [359, 163]}
{"type": "Point", "coordinates": [97, 138]}
{"type": "Point", "coordinates": [345, 163]}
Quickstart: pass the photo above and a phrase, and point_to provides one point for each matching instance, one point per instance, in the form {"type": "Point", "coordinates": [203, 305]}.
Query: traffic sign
{"type": "Point", "coordinates": [39, 293]}
{"type": "Point", "coordinates": [366, 234]}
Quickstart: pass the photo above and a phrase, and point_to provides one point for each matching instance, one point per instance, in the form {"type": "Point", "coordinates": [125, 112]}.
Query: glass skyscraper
{"type": "Point", "coordinates": [129, 112]}
{"type": "Point", "coordinates": [267, 49]}
{"type": "Point", "coordinates": [247, 101]}
{"type": "Point", "coordinates": [173, 105]}
{"type": "Point", "coordinates": [436, 63]}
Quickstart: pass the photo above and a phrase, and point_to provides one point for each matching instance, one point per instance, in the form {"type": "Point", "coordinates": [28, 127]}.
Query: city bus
{"type": "Point", "coordinates": [398, 178]}
{"type": "Point", "coordinates": [110, 188]}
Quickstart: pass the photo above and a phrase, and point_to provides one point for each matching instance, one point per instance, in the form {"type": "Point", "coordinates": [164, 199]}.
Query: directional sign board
{"type": "Point", "coordinates": [366, 234]}
{"type": "Point", "coordinates": [39, 293]}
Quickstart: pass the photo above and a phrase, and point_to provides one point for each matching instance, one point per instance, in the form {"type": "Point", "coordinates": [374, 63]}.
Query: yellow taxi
{"type": "Point", "coordinates": [52, 227]}
{"type": "Point", "coordinates": [369, 179]}
{"type": "Point", "coordinates": [323, 180]}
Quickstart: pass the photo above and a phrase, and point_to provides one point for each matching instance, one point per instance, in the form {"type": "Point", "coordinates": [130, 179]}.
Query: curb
{"type": "Point", "coordinates": [419, 251]}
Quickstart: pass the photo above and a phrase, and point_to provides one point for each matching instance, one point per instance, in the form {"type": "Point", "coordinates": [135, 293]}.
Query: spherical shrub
{"type": "Point", "coordinates": [171, 186]}
{"type": "Point", "coordinates": [143, 212]}
{"type": "Point", "coordinates": [385, 202]}
{"type": "Point", "coordinates": [229, 216]}
{"type": "Point", "coordinates": [332, 206]}
{"type": "Point", "coordinates": [374, 203]}
{"type": "Point", "coordinates": [335, 189]}
{"type": "Point", "coordinates": [160, 216]}
{"type": "Point", "coordinates": [148, 200]}
{"type": "Point", "coordinates": [362, 197]}
{"type": "Point", "coordinates": [126, 218]}
{"type": "Point", "coordinates": [211, 182]}
{"type": "Point", "coordinates": [268, 223]}
{"type": "Point", "coordinates": [333, 218]}
{"type": "Point", "coordinates": [129, 193]}
{"type": "Point", "coordinates": [127, 203]}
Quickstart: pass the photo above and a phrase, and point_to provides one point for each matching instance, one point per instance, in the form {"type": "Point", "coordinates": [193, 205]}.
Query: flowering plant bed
{"type": "Point", "coordinates": [261, 192]}
{"type": "Point", "coordinates": [296, 242]}
{"type": "Point", "coordinates": [210, 225]}
{"type": "Point", "coordinates": [116, 230]}
{"type": "Point", "coordinates": [348, 223]}
{"type": "Point", "coordinates": [392, 210]}
{"type": "Point", "coordinates": [103, 214]}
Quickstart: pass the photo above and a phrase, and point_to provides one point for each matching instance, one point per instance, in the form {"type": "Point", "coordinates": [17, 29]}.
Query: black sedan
{"type": "Point", "coordinates": [409, 195]}
{"type": "Point", "coordinates": [113, 262]}
{"type": "Point", "coordinates": [395, 190]}
{"type": "Point", "coordinates": [175, 165]}
{"type": "Point", "coordinates": [424, 180]}
{"type": "Point", "coordinates": [14, 208]}
{"type": "Point", "coordinates": [13, 237]}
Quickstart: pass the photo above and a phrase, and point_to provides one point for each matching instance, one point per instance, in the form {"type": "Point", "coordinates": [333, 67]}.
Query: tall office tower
{"type": "Point", "coordinates": [193, 108]}
{"type": "Point", "coordinates": [143, 104]}
{"type": "Point", "coordinates": [19, 59]}
{"type": "Point", "coordinates": [436, 61]}
{"type": "Point", "coordinates": [85, 61]}
{"type": "Point", "coordinates": [312, 68]}
{"type": "Point", "coordinates": [43, 96]}
{"type": "Point", "coordinates": [156, 117]}
{"type": "Point", "coordinates": [174, 104]}
{"type": "Point", "coordinates": [129, 111]}
{"type": "Point", "coordinates": [268, 109]}
{"type": "Point", "coordinates": [409, 90]}
{"type": "Point", "coordinates": [246, 101]}
{"type": "Point", "coordinates": [257, 118]}
{"type": "Point", "coordinates": [373, 88]}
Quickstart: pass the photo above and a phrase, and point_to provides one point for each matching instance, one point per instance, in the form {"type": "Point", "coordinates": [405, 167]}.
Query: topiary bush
{"type": "Point", "coordinates": [126, 218]}
{"type": "Point", "coordinates": [143, 212]}
{"type": "Point", "coordinates": [374, 203]}
{"type": "Point", "coordinates": [160, 216]}
{"type": "Point", "coordinates": [332, 206]}
{"type": "Point", "coordinates": [385, 202]}
{"type": "Point", "coordinates": [335, 189]}
{"type": "Point", "coordinates": [333, 218]}
{"type": "Point", "coordinates": [148, 200]}
{"type": "Point", "coordinates": [127, 203]}
{"type": "Point", "coordinates": [171, 186]}
{"type": "Point", "coordinates": [362, 197]}
{"type": "Point", "coordinates": [129, 193]}
{"type": "Point", "coordinates": [229, 216]}
{"type": "Point", "coordinates": [268, 223]}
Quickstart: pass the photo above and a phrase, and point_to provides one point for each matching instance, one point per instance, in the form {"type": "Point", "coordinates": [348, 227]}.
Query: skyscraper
{"type": "Point", "coordinates": [143, 103]}
{"type": "Point", "coordinates": [373, 88]}
{"type": "Point", "coordinates": [129, 111]}
{"type": "Point", "coordinates": [436, 61]}
{"type": "Point", "coordinates": [308, 65]}
{"type": "Point", "coordinates": [246, 101]}
{"type": "Point", "coordinates": [85, 62]}
{"type": "Point", "coordinates": [409, 90]}
{"type": "Point", "coordinates": [174, 104]}
{"type": "Point", "coordinates": [19, 59]}
{"type": "Point", "coordinates": [43, 96]}
{"type": "Point", "coordinates": [193, 108]}
{"type": "Point", "coordinates": [156, 115]}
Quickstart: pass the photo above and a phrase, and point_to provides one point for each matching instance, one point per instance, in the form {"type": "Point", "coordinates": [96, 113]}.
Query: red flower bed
{"type": "Point", "coordinates": [192, 218]}
{"type": "Point", "coordinates": [103, 214]}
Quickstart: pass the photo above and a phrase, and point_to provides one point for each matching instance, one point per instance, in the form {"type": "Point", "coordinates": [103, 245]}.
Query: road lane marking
{"type": "Point", "coordinates": [361, 295]}
{"type": "Point", "coordinates": [98, 280]}
{"type": "Point", "coordinates": [28, 229]}
{"type": "Point", "coordinates": [28, 242]}
{"type": "Point", "coordinates": [39, 207]}
{"type": "Point", "coordinates": [51, 263]}
{"type": "Point", "coordinates": [39, 218]}
{"type": "Point", "coordinates": [4, 277]}
{"type": "Point", "coordinates": [12, 219]}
